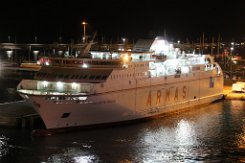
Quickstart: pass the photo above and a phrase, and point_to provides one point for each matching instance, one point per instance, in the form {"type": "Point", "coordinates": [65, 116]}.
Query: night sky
{"type": "Point", "coordinates": [179, 19]}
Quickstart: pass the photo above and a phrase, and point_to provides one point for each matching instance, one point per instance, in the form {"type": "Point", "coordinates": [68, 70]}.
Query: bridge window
{"type": "Point", "coordinates": [91, 77]}
{"type": "Point", "coordinates": [85, 76]}
{"type": "Point", "coordinates": [66, 76]}
{"type": "Point", "coordinates": [97, 77]}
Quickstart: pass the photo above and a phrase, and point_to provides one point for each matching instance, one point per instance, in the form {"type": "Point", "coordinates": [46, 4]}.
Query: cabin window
{"type": "Point", "coordinates": [66, 76]}
{"type": "Point", "coordinates": [177, 75]}
{"type": "Point", "coordinates": [60, 76]}
{"type": "Point", "coordinates": [65, 115]}
{"type": "Point", "coordinates": [91, 77]}
{"type": "Point", "coordinates": [211, 82]}
{"type": "Point", "coordinates": [42, 74]}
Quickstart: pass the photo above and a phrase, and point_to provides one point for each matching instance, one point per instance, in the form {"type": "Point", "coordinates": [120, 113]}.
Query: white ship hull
{"type": "Point", "coordinates": [123, 86]}
{"type": "Point", "coordinates": [130, 104]}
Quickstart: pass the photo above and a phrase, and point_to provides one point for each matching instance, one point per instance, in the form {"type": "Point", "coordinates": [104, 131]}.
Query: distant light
{"type": "Point", "coordinates": [178, 41]}
{"type": "Point", "coordinates": [123, 40]}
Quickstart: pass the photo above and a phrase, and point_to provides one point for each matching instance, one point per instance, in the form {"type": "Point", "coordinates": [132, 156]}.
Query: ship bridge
{"type": "Point", "coordinates": [93, 75]}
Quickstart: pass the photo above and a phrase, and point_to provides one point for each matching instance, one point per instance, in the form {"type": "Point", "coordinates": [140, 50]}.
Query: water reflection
{"type": "Point", "coordinates": [72, 154]}
{"type": "Point", "coordinates": [185, 134]}
{"type": "Point", "coordinates": [4, 146]}
{"type": "Point", "coordinates": [201, 135]}
{"type": "Point", "coordinates": [241, 141]}
{"type": "Point", "coordinates": [175, 143]}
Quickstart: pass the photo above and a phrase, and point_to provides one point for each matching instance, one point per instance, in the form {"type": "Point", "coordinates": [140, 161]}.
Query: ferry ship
{"type": "Point", "coordinates": [153, 78]}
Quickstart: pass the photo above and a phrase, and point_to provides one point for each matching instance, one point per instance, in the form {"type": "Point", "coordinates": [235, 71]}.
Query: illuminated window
{"type": "Point", "coordinates": [211, 82]}
{"type": "Point", "coordinates": [60, 85]}
{"type": "Point", "coordinates": [45, 84]}
{"type": "Point", "coordinates": [74, 85]}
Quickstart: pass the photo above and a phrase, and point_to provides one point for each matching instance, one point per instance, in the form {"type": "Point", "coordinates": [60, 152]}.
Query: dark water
{"type": "Point", "coordinates": [213, 133]}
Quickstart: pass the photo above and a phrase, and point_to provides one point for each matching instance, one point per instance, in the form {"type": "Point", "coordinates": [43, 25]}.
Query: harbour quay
{"type": "Point", "coordinates": [230, 95]}
{"type": "Point", "coordinates": [18, 114]}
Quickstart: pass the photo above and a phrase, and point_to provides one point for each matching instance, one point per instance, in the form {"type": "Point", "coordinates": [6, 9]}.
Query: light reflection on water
{"type": "Point", "coordinates": [213, 133]}
{"type": "Point", "coordinates": [241, 140]}
{"type": "Point", "coordinates": [4, 146]}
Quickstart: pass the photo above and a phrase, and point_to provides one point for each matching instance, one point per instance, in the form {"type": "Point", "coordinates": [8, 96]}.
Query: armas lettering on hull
{"type": "Point", "coordinates": [164, 95]}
